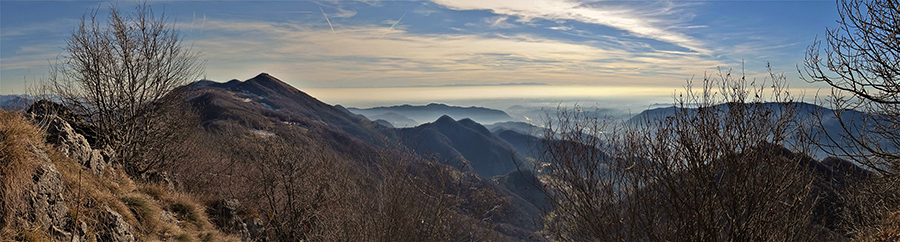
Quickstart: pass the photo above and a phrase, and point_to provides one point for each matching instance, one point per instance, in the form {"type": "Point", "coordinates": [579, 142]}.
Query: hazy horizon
{"type": "Point", "coordinates": [520, 101]}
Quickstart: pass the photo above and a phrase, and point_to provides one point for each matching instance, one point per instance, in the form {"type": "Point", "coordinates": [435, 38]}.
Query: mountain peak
{"type": "Point", "coordinates": [265, 78]}
{"type": "Point", "coordinates": [264, 75]}
{"type": "Point", "coordinates": [270, 82]}
{"type": "Point", "coordinates": [445, 119]}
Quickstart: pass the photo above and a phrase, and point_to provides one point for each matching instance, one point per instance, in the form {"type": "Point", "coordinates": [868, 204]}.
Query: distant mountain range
{"type": "Point", "coordinates": [409, 116]}
{"type": "Point", "coordinates": [15, 102]}
{"type": "Point", "coordinates": [520, 127]}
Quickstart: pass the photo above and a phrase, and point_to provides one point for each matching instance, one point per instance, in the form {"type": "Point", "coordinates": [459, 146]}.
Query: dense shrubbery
{"type": "Point", "coordinates": [303, 190]}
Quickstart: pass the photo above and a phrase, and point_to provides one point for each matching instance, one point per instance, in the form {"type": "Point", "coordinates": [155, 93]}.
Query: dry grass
{"type": "Point", "coordinates": [17, 136]}
{"type": "Point", "coordinates": [888, 230]}
{"type": "Point", "coordinates": [143, 206]}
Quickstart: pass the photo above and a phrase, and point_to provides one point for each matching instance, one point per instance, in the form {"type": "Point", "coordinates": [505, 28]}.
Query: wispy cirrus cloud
{"type": "Point", "coordinates": [56, 26]}
{"type": "Point", "coordinates": [356, 57]}
{"type": "Point", "coordinates": [653, 20]}
{"type": "Point", "coordinates": [495, 22]}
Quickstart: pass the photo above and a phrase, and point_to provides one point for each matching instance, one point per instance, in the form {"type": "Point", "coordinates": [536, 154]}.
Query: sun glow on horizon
{"type": "Point", "coordinates": [379, 96]}
{"type": "Point", "coordinates": [361, 96]}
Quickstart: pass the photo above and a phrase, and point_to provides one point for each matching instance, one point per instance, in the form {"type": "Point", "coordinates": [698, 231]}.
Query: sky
{"type": "Point", "coordinates": [611, 47]}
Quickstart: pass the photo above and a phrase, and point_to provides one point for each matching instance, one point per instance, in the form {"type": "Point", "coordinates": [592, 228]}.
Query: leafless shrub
{"type": "Point", "coordinates": [861, 62]}
{"type": "Point", "coordinates": [118, 73]}
{"type": "Point", "coordinates": [862, 65]}
{"type": "Point", "coordinates": [714, 170]}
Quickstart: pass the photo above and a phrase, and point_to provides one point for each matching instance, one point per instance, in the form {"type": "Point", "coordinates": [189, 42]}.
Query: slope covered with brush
{"type": "Point", "coordinates": [49, 194]}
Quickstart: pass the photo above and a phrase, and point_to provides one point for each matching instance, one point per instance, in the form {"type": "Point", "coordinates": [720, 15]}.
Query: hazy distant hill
{"type": "Point", "coordinates": [460, 142]}
{"type": "Point", "coordinates": [806, 114]}
{"type": "Point", "coordinates": [406, 115]}
{"type": "Point", "coordinates": [521, 127]}
{"type": "Point", "coordinates": [524, 144]}
{"type": "Point", "coordinates": [397, 120]}
{"type": "Point", "coordinates": [14, 102]}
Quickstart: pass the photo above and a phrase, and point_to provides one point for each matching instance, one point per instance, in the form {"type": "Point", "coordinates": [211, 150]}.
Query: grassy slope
{"type": "Point", "coordinates": [141, 205]}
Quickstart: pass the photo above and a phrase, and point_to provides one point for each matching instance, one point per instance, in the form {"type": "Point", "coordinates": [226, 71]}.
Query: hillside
{"type": "Point", "coordinates": [261, 134]}
{"type": "Point", "coordinates": [464, 144]}
{"type": "Point", "coordinates": [269, 102]}
{"type": "Point", "coordinates": [54, 189]}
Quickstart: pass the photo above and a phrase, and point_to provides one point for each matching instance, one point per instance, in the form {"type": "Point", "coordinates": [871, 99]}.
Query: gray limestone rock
{"type": "Point", "coordinates": [113, 227]}
{"type": "Point", "coordinates": [46, 206]}
{"type": "Point", "coordinates": [73, 144]}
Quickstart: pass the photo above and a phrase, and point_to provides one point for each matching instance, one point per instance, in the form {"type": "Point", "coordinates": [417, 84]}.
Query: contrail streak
{"type": "Point", "coordinates": [326, 19]}
{"type": "Point", "coordinates": [392, 26]}
{"type": "Point", "coordinates": [202, 24]}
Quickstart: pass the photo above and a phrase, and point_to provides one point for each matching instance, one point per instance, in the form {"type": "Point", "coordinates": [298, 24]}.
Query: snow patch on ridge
{"type": "Point", "coordinates": [263, 133]}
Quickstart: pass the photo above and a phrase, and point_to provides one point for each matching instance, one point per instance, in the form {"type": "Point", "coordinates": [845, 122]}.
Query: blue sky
{"type": "Point", "coordinates": [343, 44]}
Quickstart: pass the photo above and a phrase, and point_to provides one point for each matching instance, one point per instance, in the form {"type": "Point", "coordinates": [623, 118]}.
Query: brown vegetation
{"type": "Point", "coordinates": [17, 136]}
{"type": "Point", "coordinates": [143, 206]}
{"type": "Point", "coordinates": [118, 73]}
{"type": "Point", "coordinates": [302, 189]}
{"type": "Point", "coordinates": [860, 63]}
{"type": "Point", "coordinates": [709, 172]}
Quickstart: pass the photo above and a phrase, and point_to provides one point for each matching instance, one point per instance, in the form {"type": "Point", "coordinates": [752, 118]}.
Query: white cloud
{"type": "Point", "coordinates": [355, 57]}
{"type": "Point", "coordinates": [343, 13]}
{"type": "Point", "coordinates": [55, 27]}
{"type": "Point", "coordinates": [640, 20]}
{"type": "Point", "coordinates": [563, 28]}
{"type": "Point", "coordinates": [424, 11]}
{"type": "Point", "coordinates": [34, 57]}
{"type": "Point", "coordinates": [495, 22]}
{"type": "Point", "coordinates": [499, 22]}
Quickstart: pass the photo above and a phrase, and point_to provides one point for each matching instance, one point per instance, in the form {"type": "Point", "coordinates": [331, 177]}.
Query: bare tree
{"type": "Point", "coordinates": [861, 62]}
{"type": "Point", "coordinates": [117, 72]}
{"type": "Point", "coordinates": [714, 170]}
{"type": "Point", "coordinates": [310, 193]}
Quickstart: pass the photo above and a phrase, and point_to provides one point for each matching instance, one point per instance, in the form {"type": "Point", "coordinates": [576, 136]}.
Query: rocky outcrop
{"type": "Point", "coordinates": [45, 205]}
{"type": "Point", "coordinates": [60, 124]}
{"type": "Point", "coordinates": [257, 230]}
{"type": "Point", "coordinates": [114, 227]}
{"type": "Point", "coordinates": [74, 145]}
{"type": "Point", "coordinates": [227, 218]}
{"type": "Point", "coordinates": [41, 111]}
